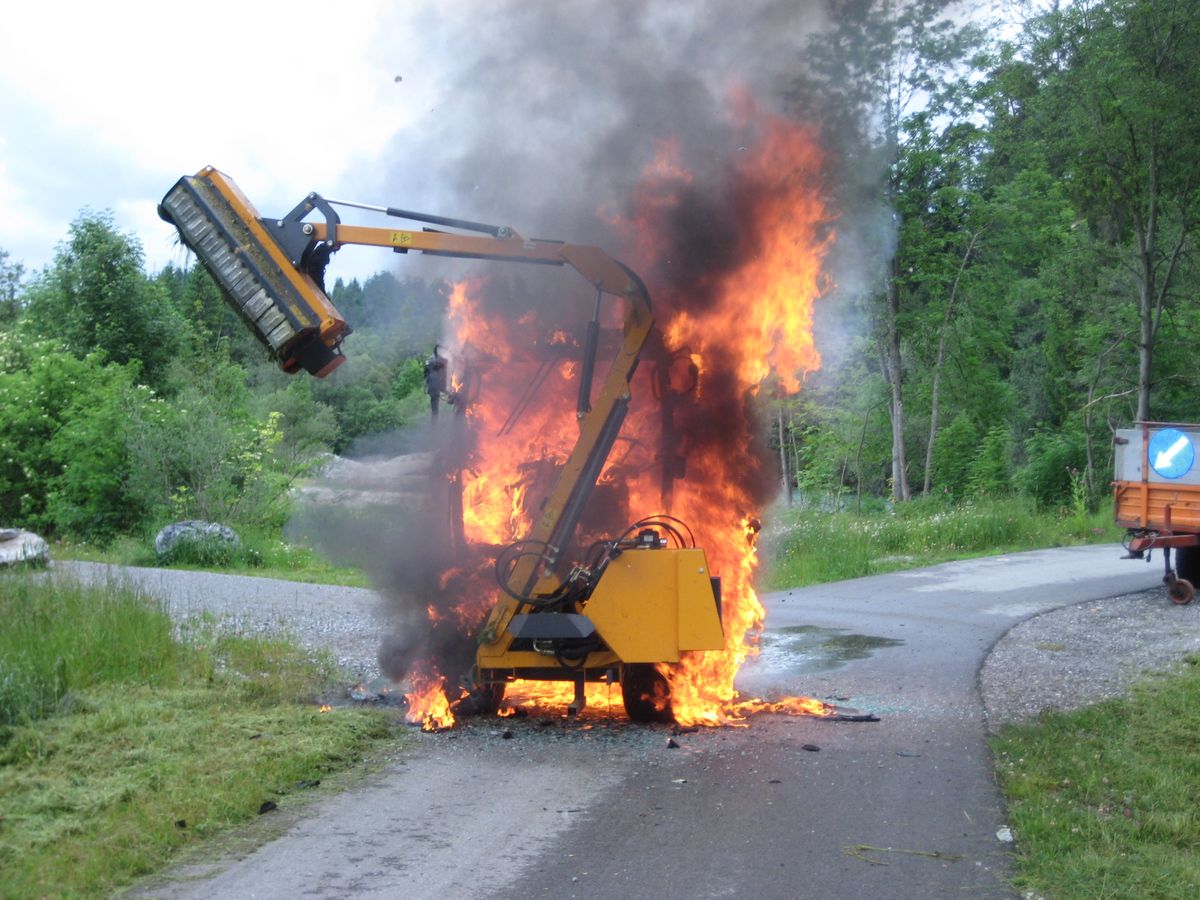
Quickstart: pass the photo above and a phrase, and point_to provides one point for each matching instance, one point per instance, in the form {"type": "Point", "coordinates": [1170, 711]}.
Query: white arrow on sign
{"type": "Point", "coordinates": [1166, 457]}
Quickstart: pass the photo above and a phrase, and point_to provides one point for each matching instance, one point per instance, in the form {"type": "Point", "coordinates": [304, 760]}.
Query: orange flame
{"type": "Point", "coordinates": [756, 321]}
{"type": "Point", "coordinates": [791, 706]}
{"type": "Point", "coordinates": [427, 703]}
{"type": "Point", "coordinates": [733, 325]}
{"type": "Point", "coordinates": [555, 695]}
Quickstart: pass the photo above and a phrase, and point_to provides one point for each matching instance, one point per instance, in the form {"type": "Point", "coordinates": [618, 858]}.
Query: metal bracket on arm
{"type": "Point", "coordinates": [296, 237]}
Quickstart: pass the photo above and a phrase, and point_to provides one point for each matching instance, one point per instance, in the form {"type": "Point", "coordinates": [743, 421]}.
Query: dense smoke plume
{"type": "Point", "coordinates": [624, 125]}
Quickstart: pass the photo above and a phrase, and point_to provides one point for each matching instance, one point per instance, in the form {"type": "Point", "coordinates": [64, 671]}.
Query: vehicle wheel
{"type": "Point", "coordinates": [482, 700]}
{"type": "Point", "coordinates": [646, 693]}
{"type": "Point", "coordinates": [1187, 564]}
{"type": "Point", "coordinates": [1181, 591]}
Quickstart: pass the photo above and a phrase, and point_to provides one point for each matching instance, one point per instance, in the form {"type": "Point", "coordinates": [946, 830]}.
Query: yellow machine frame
{"type": "Point", "coordinates": [649, 604]}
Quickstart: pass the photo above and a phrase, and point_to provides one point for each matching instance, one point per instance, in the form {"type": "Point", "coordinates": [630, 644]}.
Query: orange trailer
{"type": "Point", "coordinates": [1156, 499]}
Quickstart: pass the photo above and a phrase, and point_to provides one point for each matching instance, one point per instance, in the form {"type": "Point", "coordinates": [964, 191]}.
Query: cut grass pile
{"type": "Point", "coordinates": [802, 547]}
{"type": "Point", "coordinates": [1105, 802]}
{"type": "Point", "coordinates": [120, 745]}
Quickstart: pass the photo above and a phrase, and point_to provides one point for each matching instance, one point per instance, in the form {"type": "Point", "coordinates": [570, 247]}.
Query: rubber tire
{"type": "Point", "coordinates": [1187, 564]}
{"type": "Point", "coordinates": [482, 700]}
{"type": "Point", "coordinates": [640, 684]}
{"type": "Point", "coordinates": [1181, 592]}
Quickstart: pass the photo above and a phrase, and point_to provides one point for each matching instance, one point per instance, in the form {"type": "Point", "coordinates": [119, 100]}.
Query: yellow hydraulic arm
{"type": "Point", "coordinates": [273, 271]}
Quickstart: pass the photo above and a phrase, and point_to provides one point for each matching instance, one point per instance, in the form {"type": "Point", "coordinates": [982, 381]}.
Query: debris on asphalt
{"type": "Point", "coordinates": [811, 748]}
{"type": "Point", "coordinates": [672, 744]}
{"type": "Point", "coordinates": [859, 851]}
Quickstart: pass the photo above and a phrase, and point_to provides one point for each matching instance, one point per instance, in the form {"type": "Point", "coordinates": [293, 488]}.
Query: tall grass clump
{"type": "Point", "coordinates": [60, 636]}
{"type": "Point", "coordinates": [807, 546]}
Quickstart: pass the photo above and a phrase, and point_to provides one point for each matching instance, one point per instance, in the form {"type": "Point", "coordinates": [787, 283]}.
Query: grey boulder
{"type": "Point", "coordinates": [193, 530]}
{"type": "Point", "coordinates": [17, 546]}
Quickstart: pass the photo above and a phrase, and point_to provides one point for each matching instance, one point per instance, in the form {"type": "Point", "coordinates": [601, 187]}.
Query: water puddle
{"type": "Point", "coordinates": [805, 649]}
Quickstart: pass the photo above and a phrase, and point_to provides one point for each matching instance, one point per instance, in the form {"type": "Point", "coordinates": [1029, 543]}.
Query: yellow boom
{"type": "Point", "coordinates": [650, 603]}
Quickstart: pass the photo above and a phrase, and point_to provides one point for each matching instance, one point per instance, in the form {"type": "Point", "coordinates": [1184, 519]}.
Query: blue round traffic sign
{"type": "Point", "coordinates": [1171, 453]}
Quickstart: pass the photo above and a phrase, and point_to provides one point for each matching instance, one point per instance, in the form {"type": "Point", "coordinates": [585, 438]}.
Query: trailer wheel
{"type": "Point", "coordinates": [1181, 591]}
{"type": "Point", "coordinates": [1187, 564]}
{"type": "Point", "coordinates": [646, 693]}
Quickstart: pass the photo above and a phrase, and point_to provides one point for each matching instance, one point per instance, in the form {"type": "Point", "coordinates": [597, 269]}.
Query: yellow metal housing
{"type": "Point", "coordinates": [651, 605]}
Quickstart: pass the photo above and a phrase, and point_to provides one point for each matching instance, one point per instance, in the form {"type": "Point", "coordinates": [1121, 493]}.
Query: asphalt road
{"type": "Point", "coordinates": [782, 808]}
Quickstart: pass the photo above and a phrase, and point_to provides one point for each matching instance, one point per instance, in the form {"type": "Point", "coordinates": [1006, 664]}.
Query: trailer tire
{"type": "Point", "coordinates": [646, 693]}
{"type": "Point", "coordinates": [1181, 592]}
{"type": "Point", "coordinates": [1187, 564]}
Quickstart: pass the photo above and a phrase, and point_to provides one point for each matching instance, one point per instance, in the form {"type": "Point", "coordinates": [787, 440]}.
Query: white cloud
{"type": "Point", "coordinates": [105, 105]}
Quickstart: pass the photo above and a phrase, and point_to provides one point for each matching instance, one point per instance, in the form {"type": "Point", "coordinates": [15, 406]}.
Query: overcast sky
{"type": "Point", "coordinates": [105, 105]}
{"type": "Point", "coordinates": [519, 112]}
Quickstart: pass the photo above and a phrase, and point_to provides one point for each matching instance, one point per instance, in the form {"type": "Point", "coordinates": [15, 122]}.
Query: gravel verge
{"type": "Point", "coordinates": [1072, 657]}
{"type": "Point", "coordinates": [348, 622]}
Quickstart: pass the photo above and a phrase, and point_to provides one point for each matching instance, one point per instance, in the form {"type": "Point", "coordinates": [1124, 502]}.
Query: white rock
{"type": "Point", "coordinates": [17, 546]}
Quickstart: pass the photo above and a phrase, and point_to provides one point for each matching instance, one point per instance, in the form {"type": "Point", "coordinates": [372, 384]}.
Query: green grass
{"type": "Point", "coordinates": [802, 547]}
{"type": "Point", "coordinates": [1105, 802]}
{"type": "Point", "coordinates": [120, 746]}
{"type": "Point", "coordinates": [60, 637]}
{"type": "Point", "coordinates": [261, 554]}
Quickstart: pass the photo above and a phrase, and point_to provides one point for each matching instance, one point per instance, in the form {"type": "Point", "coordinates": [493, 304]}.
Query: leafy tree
{"type": "Point", "coordinates": [1111, 105]}
{"type": "Point", "coordinates": [10, 281]}
{"type": "Point", "coordinates": [869, 76]}
{"type": "Point", "coordinates": [96, 297]}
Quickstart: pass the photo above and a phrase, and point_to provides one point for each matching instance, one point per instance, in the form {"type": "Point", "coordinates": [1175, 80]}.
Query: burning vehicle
{"type": "Point", "coordinates": [602, 499]}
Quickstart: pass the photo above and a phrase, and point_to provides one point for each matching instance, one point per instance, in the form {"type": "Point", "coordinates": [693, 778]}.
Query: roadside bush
{"type": "Point", "coordinates": [64, 461]}
{"type": "Point", "coordinates": [1046, 477]}
{"type": "Point", "coordinates": [205, 456]}
{"type": "Point", "coordinates": [990, 474]}
{"type": "Point", "coordinates": [952, 454]}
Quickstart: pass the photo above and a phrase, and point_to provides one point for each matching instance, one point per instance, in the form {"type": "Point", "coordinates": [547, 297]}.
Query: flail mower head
{"type": "Point", "coordinates": [275, 294]}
